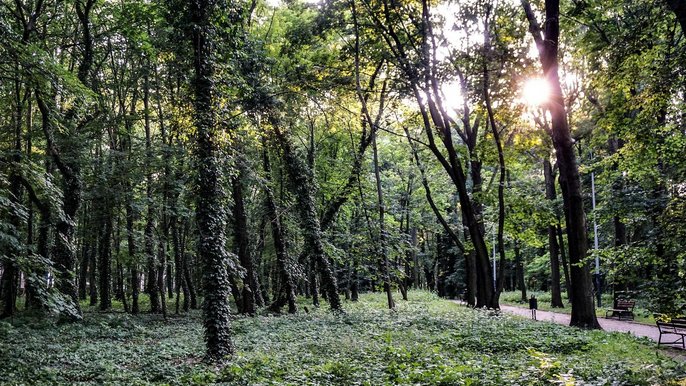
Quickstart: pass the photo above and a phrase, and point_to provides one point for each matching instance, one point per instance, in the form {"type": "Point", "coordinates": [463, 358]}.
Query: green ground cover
{"type": "Point", "coordinates": [427, 341]}
{"type": "Point", "coordinates": [514, 298]}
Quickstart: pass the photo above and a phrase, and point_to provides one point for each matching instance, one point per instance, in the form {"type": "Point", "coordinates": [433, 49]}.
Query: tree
{"type": "Point", "coordinates": [547, 40]}
{"type": "Point", "coordinates": [210, 214]}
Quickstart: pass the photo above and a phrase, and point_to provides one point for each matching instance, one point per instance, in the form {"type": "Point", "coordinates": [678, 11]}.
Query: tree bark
{"type": "Point", "coordinates": [469, 260]}
{"type": "Point", "coordinates": [385, 268]}
{"type": "Point", "coordinates": [85, 248]}
{"type": "Point", "coordinates": [33, 298]}
{"type": "Point", "coordinates": [519, 268]}
{"type": "Point", "coordinates": [553, 247]}
{"type": "Point", "coordinates": [301, 181]}
{"type": "Point", "coordinates": [241, 242]}
{"type": "Point", "coordinates": [286, 294]}
{"type": "Point", "coordinates": [210, 215]}
{"type": "Point", "coordinates": [583, 308]}
{"type": "Point", "coordinates": [152, 287]}
{"type": "Point", "coordinates": [501, 159]}
{"type": "Point", "coordinates": [105, 254]}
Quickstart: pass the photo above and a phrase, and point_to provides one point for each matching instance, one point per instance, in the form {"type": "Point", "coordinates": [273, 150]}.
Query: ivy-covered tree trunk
{"type": "Point", "coordinates": [303, 185]}
{"type": "Point", "coordinates": [63, 252]}
{"type": "Point", "coordinates": [547, 40]}
{"type": "Point", "coordinates": [286, 294]}
{"type": "Point", "coordinates": [210, 214]}
{"type": "Point", "coordinates": [313, 281]}
{"type": "Point", "coordinates": [67, 161]}
{"type": "Point", "coordinates": [10, 273]}
{"type": "Point", "coordinates": [35, 288]}
{"type": "Point", "coordinates": [259, 263]}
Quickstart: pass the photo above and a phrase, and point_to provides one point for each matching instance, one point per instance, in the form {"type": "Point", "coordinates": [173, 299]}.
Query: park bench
{"type": "Point", "coordinates": [672, 327]}
{"type": "Point", "coordinates": [622, 307]}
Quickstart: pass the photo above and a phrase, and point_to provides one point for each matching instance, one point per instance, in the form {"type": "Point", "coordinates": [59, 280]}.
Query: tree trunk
{"type": "Point", "coordinates": [301, 181]}
{"type": "Point", "coordinates": [583, 308]}
{"type": "Point", "coordinates": [131, 242]}
{"type": "Point", "coordinates": [152, 286]}
{"type": "Point", "coordinates": [287, 288]}
{"type": "Point", "coordinates": [210, 216]}
{"type": "Point", "coordinates": [553, 247]}
{"type": "Point", "coordinates": [33, 300]}
{"type": "Point", "coordinates": [241, 242]}
{"type": "Point", "coordinates": [519, 270]}
{"type": "Point", "coordinates": [178, 264]}
{"type": "Point", "coordinates": [105, 253]}
{"type": "Point", "coordinates": [385, 269]}
{"type": "Point", "coordinates": [63, 253]}
{"type": "Point", "coordinates": [93, 273]}
{"type": "Point", "coordinates": [162, 258]}
{"type": "Point", "coordinates": [83, 270]}
{"type": "Point", "coordinates": [259, 250]}
{"type": "Point", "coordinates": [85, 247]}
{"type": "Point", "coordinates": [469, 259]}
{"type": "Point", "coordinates": [501, 159]}
{"type": "Point", "coordinates": [189, 283]}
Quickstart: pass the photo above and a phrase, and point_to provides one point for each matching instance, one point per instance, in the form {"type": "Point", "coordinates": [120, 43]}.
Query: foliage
{"type": "Point", "coordinates": [426, 341]}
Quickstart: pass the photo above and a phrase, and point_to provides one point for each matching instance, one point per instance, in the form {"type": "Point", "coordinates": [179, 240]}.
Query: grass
{"type": "Point", "coordinates": [514, 298]}
{"type": "Point", "coordinates": [427, 341]}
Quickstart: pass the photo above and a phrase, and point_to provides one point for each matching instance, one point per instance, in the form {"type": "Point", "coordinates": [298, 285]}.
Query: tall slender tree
{"type": "Point", "coordinates": [210, 213]}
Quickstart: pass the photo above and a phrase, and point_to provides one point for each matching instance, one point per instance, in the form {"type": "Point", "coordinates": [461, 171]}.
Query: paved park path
{"type": "Point", "coordinates": [613, 325]}
{"type": "Point", "coordinates": [636, 329]}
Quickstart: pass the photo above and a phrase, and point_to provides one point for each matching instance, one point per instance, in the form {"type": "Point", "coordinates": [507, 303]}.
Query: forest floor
{"type": "Point", "coordinates": [427, 341]}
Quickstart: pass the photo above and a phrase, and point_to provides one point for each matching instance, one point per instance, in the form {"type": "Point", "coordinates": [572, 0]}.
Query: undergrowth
{"type": "Point", "coordinates": [426, 341]}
